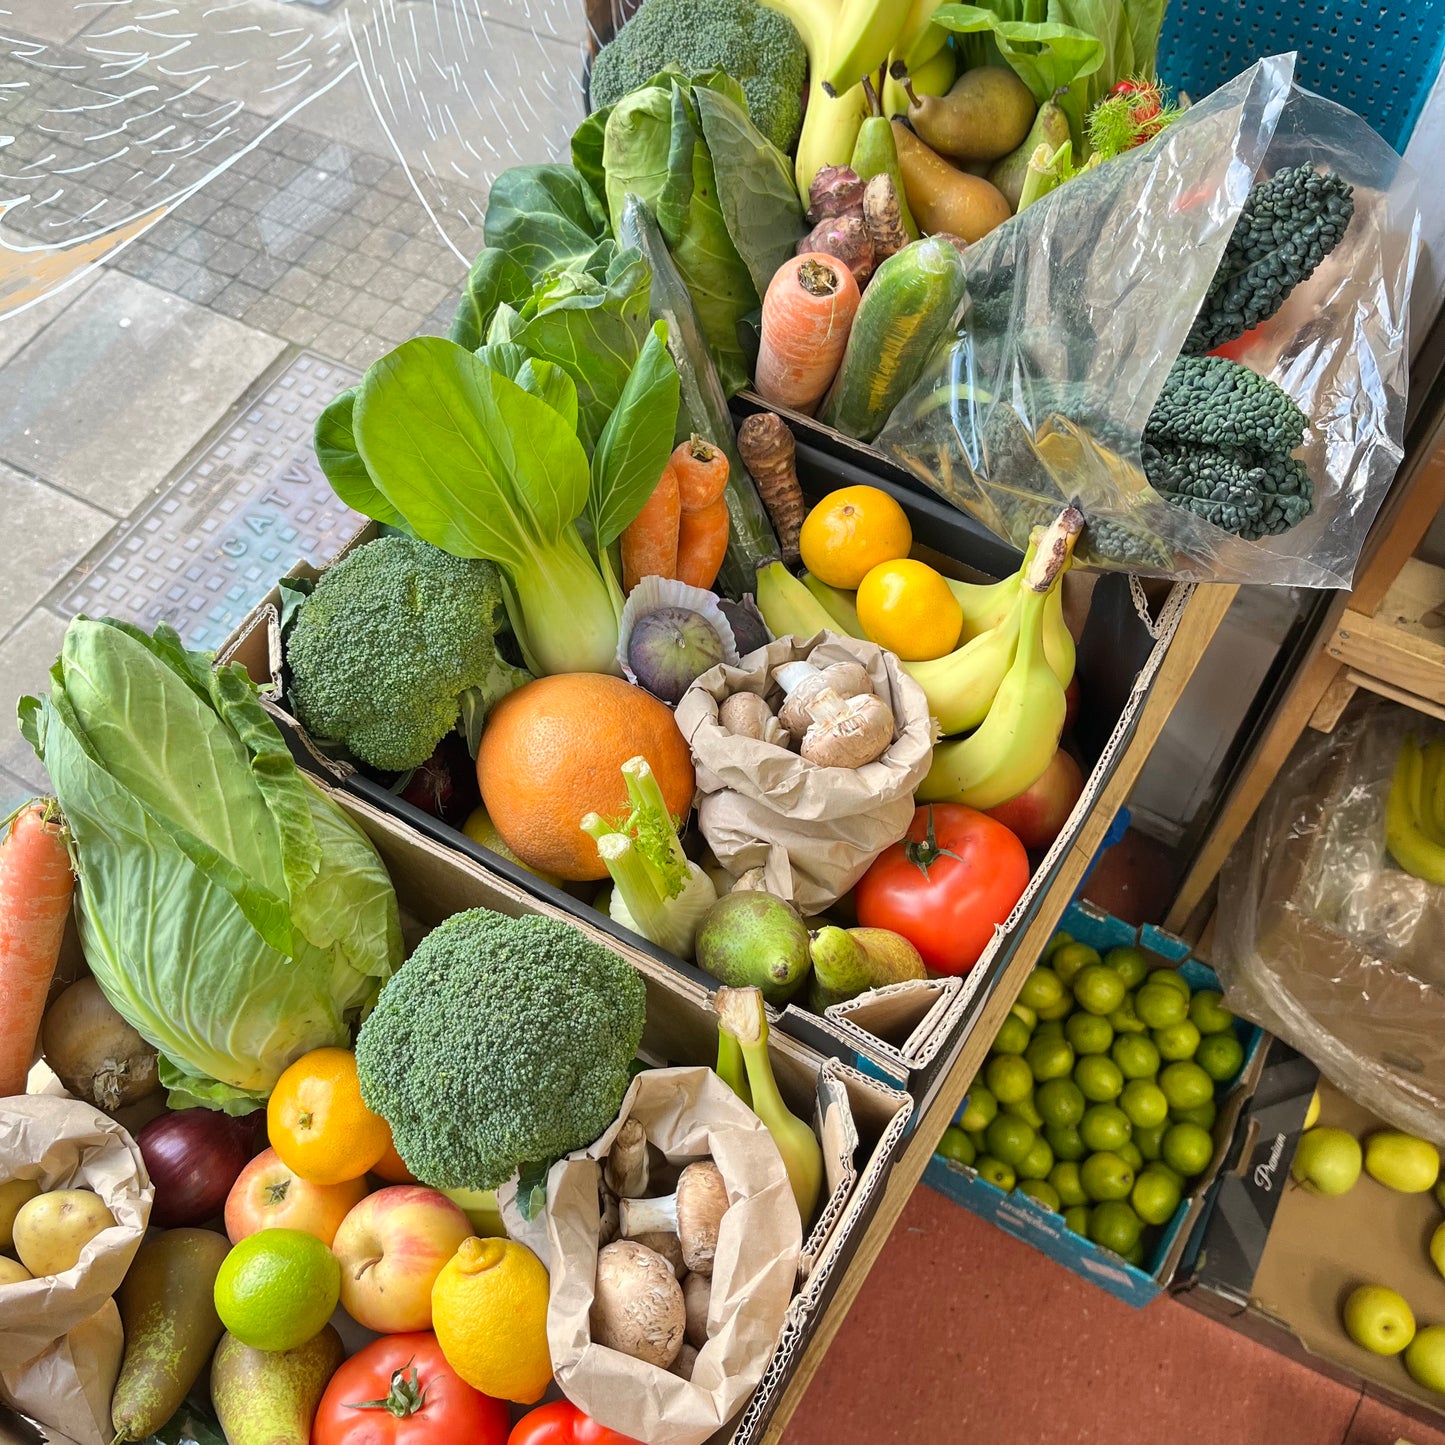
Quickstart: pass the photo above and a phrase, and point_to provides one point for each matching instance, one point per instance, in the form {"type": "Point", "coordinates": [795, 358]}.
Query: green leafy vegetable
{"type": "Point", "coordinates": [543, 217]}
{"type": "Point", "coordinates": [233, 916]}
{"type": "Point", "coordinates": [495, 278]}
{"type": "Point", "coordinates": [336, 452]}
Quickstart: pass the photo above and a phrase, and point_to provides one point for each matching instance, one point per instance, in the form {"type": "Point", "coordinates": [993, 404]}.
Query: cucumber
{"type": "Point", "coordinates": [907, 309]}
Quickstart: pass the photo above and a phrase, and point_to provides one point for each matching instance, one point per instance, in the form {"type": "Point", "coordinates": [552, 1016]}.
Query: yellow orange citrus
{"type": "Point", "coordinates": [317, 1123]}
{"type": "Point", "coordinates": [907, 607]}
{"type": "Point", "coordinates": [850, 532]}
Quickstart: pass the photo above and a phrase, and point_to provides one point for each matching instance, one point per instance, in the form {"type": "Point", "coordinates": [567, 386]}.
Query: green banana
{"type": "Point", "coordinates": [1058, 640]}
{"type": "Point", "coordinates": [934, 76]}
{"type": "Point", "coordinates": [1015, 742]}
{"type": "Point", "coordinates": [730, 1067]}
{"type": "Point", "coordinates": [1406, 839]}
{"type": "Point", "coordinates": [864, 35]}
{"type": "Point", "coordinates": [839, 605]}
{"type": "Point", "coordinates": [788, 608]}
{"type": "Point", "coordinates": [919, 39]}
{"type": "Point", "coordinates": [1432, 792]}
{"type": "Point", "coordinates": [961, 686]}
{"type": "Point", "coordinates": [985, 604]}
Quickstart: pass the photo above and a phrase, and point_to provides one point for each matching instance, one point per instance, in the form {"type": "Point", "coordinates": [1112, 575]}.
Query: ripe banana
{"type": "Point", "coordinates": [1015, 742]}
{"type": "Point", "coordinates": [788, 608]}
{"type": "Point", "coordinates": [985, 604]}
{"type": "Point", "coordinates": [1058, 640]}
{"type": "Point", "coordinates": [1405, 836]}
{"type": "Point", "coordinates": [1432, 792]}
{"type": "Point", "coordinates": [837, 604]}
{"type": "Point", "coordinates": [919, 39]}
{"type": "Point", "coordinates": [865, 32]}
{"type": "Point", "coordinates": [961, 687]}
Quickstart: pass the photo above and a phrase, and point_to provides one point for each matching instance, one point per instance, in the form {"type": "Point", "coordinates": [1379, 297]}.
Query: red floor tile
{"type": "Point", "coordinates": [963, 1334]}
{"type": "Point", "coordinates": [1377, 1424]}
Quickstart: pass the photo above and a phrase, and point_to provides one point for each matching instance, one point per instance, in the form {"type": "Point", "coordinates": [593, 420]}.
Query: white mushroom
{"type": "Point", "coordinates": [626, 1167]}
{"type": "Point", "coordinates": [694, 1213]}
{"type": "Point", "coordinates": [685, 1363]}
{"type": "Point", "coordinates": [746, 715]}
{"type": "Point", "coordinates": [848, 679]}
{"type": "Point", "coordinates": [637, 1307]}
{"type": "Point", "coordinates": [847, 733]}
{"type": "Point", "coordinates": [801, 682]}
{"type": "Point", "coordinates": [696, 1295]}
{"type": "Point", "coordinates": [665, 1243]}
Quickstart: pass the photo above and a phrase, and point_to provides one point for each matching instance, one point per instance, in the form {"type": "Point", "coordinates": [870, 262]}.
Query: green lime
{"type": "Point", "coordinates": [978, 1109]}
{"type": "Point", "coordinates": [1202, 1114]}
{"type": "Point", "coordinates": [1207, 1011]}
{"type": "Point", "coordinates": [1129, 964]}
{"type": "Point", "coordinates": [1144, 1103]}
{"type": "Point", "coordinates": [1049, 1029]}
{"type": "Point", "coordinates": [1156, 1196]}
{"type": "Point", "coordinates": [1064, 1176]}
{"type": "Point", "coordinates": [1160, 1167]}
{"type": "Point", "coordinates": [1125, 1019]}
{"type": "Point", "coordinates": [1130, 1154]}
{"type": "Point", "coordinates": [277, 1288]}
{"type": "Point", "coordinates": [955, 1145]}
{"type": "Point", "coordinates": [1026, 1110]}
{"type": "Point", "coordinates": [1009, 1079]}
{"type": "Point", "coordinates": [1220, 1056]}
{"type": "Point", "coordinates": [1070, 959]}
{"type": "Point", "coordinates": [1041, 1191]}
{"type": "Point", "coordinates": [1060, 1101]}
{"type": "Point", "coordinates": [1106, 1176]}
{"type": "Point", "coordinates": [1037, 1162]}
{"type": "Point", "coordinates": [979, 1139]}
{"type": "Point", "coordinates": [1169, 978]}
{"type": "Point", "coordinates": [1064, 1140]}
{"type": "Point", "coordinates": [1159, 1005]}
{"type": "Point", "coordinates": [1042, 990]}
{"type": "Point", "coordinates": [1188, 1149]}
{"type": "Point", "coordinates": [999, 1174]}
{"type": "Point", "coordinates": [1177, 1042]}
{"type": "Point", "coordinates": [1149, 1141]}
{"type": "Point", "coordinates": [1049, 1059]}
{"type": "Point", "coordinates": [1013, 1036]}
{"type": "Point", "coordinates": [1010, 1139]}
{"type": "Point", "coordinates": [1076, 1217]}
{"type": "Point", "coordinates": [1058, 941]}
{"type": "Point", "coordinates": [1026, 1016]}
{"type": "Point", "coordinates": [1136, 1056]}
{"type": "Point", "coordinates": [1088, 1033]}
{"type": "Point", "coordinates": [1185, 1085]}
{"type": "Point", "coordinates": [1098, 1078]}
{"type": "Point", "coordinates": [1113, 1225]}
{"type": "Point", "coordinates": [1137, 1255]}
{"type": "Point", "coordinates": [1105, 1126]}
{"type": "Point", "coordinates": [1099, 990]}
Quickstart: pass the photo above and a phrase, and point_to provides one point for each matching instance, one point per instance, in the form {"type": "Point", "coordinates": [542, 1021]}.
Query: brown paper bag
{"type": "Point", "coordinates": [813, 830]}
{"type": "Point", "coordinates": [68, 1386]}
{"type": "Point", "coordinates": [65, 1144]}
{"type": "Point", "coordinates": [688, 1113]}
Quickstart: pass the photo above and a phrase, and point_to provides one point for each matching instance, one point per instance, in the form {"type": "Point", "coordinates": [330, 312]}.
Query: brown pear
{"type": "Point", "coordinates": [891, 958]}
{"type": "Point", "coordinates": [941, 197]}
{"type": "Point", "coordinates": [986, 114]}
{"type": "Point", "coordinates": [269, 1397]}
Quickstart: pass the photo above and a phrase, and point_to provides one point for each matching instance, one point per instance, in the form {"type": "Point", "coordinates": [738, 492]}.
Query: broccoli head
{"type": "Point", "coordinates": [395, 644]}
{"type": "Point", "coordinates": [758, 47]}
{"type": "Point", "coordinates": [501, 1042]}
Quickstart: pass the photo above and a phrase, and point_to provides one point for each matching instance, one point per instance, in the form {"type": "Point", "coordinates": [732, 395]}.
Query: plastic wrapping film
{"type": "Point", "coordinates": [1325, 941]}
{"type": "Point", "coordinates": [1077, 308]}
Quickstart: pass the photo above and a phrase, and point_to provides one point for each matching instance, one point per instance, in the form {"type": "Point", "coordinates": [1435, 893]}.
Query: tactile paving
{"type": "Point", "coordinates": [210, 546]}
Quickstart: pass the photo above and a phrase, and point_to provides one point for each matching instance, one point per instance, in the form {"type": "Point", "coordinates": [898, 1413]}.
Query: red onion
{"type": "Point", "coordinates": [193, 1157]}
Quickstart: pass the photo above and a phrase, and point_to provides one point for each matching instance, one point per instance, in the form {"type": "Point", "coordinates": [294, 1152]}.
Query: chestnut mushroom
{"type": "Point", "coordinates": [696, 1296]}
{"type": "Point", "coordinates": [847, 733]}
{"type": "Point", "coordinates": [637, 1306]}
{"type": "Point", "coordinates": [694, 1214]}
{"type": "Point", "coordinates": [665, 1243]}
{"type": "Point", "coordinates": [746, 715]}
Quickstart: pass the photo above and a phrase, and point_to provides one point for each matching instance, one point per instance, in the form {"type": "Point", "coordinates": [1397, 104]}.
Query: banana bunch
{"type": "Point", "coordinates": [922, 53]}
{"type": "Point", "coordinates": [1415, 812]}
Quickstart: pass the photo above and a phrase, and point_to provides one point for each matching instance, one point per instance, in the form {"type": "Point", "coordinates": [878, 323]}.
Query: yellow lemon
{"type": "Point", "coordinates": [908, 608]}
{"type": "Point", "coordinates": [489, 1311]}
{"type": "Point", "coordinates": [850, 532]}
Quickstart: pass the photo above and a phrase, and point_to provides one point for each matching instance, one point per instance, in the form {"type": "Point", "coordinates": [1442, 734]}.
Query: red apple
{"type": "Point", "coordinates": [391, 1248]}
{"type": "Point", "coordinates": [1072, 695]}
{"type": "Point", "coordinates": [1037, 816]}
{"type": "Point", "coordinates": [267, 1195]}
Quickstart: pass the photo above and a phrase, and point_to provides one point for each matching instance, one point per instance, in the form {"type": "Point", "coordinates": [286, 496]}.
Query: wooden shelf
{"type": "Point", "coordinates": [1401, 647]}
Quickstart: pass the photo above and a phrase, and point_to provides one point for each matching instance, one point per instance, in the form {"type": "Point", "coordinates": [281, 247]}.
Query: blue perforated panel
{"type": "Point", "coordinates": [1379, 60]}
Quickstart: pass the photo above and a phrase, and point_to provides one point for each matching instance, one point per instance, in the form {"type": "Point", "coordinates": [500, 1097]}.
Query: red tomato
{"type": "Point", "coordinates": [400, 1390]}
{"type": "Point", "coordinates": [954, 877]}
{"type": "Point", "coordinates": [562, 1423]}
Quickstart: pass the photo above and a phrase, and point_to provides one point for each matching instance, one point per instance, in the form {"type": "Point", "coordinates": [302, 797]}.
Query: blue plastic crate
{"type": "Point", "coordinates": [1378, 60]}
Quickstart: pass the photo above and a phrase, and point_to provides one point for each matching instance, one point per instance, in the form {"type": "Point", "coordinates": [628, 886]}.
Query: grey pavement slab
{"type": "Point", "coordinates": [111, 397]}
{"type": "Point", "coordinates": [25, 660]}
{"type": "Point", "coordinates": [53, 21]}
{"type": "Point", "coordinates": [20, 328]}
{"type": "Point", "coordinates": [45, 534]}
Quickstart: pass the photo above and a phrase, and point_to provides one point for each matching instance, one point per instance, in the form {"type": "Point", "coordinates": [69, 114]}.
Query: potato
{"type": "Point", "coordinates": [52, 1229]}
{"type": "Point", "coordinates": [12, 1273]}
{"type": "Point", "coordinates": [13, 1193]}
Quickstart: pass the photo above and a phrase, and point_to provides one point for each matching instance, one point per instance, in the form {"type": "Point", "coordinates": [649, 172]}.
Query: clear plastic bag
{"type": "Point", "coordinates": [1077, 308]}
{"type": "Point", "coordinates": [1325, 941]}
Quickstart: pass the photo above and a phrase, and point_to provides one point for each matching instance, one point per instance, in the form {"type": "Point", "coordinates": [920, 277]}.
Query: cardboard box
{"type": "Point", "coordinates": [906, 1034]}
{"type": "Point", "coordinates": [1021, 1217]}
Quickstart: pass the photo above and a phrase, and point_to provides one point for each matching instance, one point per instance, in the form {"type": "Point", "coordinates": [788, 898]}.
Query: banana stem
{"type": "Point", "coordinates": [1055, 548]}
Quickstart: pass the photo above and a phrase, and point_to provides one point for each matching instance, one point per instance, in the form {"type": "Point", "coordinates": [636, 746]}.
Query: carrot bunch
{"type": "Point", "coordinates": [682, 531]}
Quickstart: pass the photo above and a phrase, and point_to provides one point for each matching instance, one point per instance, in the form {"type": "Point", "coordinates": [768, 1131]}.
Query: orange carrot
{"type": "Point", "coordinates": [35, 888]}
{"type": "Point", "coordinates": [807, 315]}
{"type": "Point", "coordinates": [702, 473]}
{"type": "Point", "coordinates": [702, 543]}
{"type": "Point", "coordinates": [649, 545]}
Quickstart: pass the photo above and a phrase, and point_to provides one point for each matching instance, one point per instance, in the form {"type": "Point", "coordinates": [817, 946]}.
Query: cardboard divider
{"type": "Point", "coordinates": [1028, 1220]}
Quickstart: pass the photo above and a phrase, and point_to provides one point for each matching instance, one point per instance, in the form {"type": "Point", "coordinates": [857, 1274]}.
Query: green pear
{"type": "Point", "coordinates": [269, 1397]}
{"type": "Point", "coordinates": [847, 962]}
{"type": "Point", "coordinates": [750, 939]}
{"type": "Point", "coordinates": [1050, 128]}
{"type": "Point", "coordinates": [1402, 1162]}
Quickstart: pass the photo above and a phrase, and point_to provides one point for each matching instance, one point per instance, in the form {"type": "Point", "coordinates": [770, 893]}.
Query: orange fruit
{"type": "Point", "coordinates": [850, 532]}
{"type": "Point", "coordinates": [908, 608]}
{"type": "Point", "coordinates": [553, 751]}
{"type": "Point", "coordinates": [317, 1123]}
{"type": "Point", "coordinates": [392, 1167]}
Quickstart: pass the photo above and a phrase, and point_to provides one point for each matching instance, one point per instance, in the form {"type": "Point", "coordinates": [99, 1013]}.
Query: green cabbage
{"type": "Point", "coordinates": [232, 915]}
